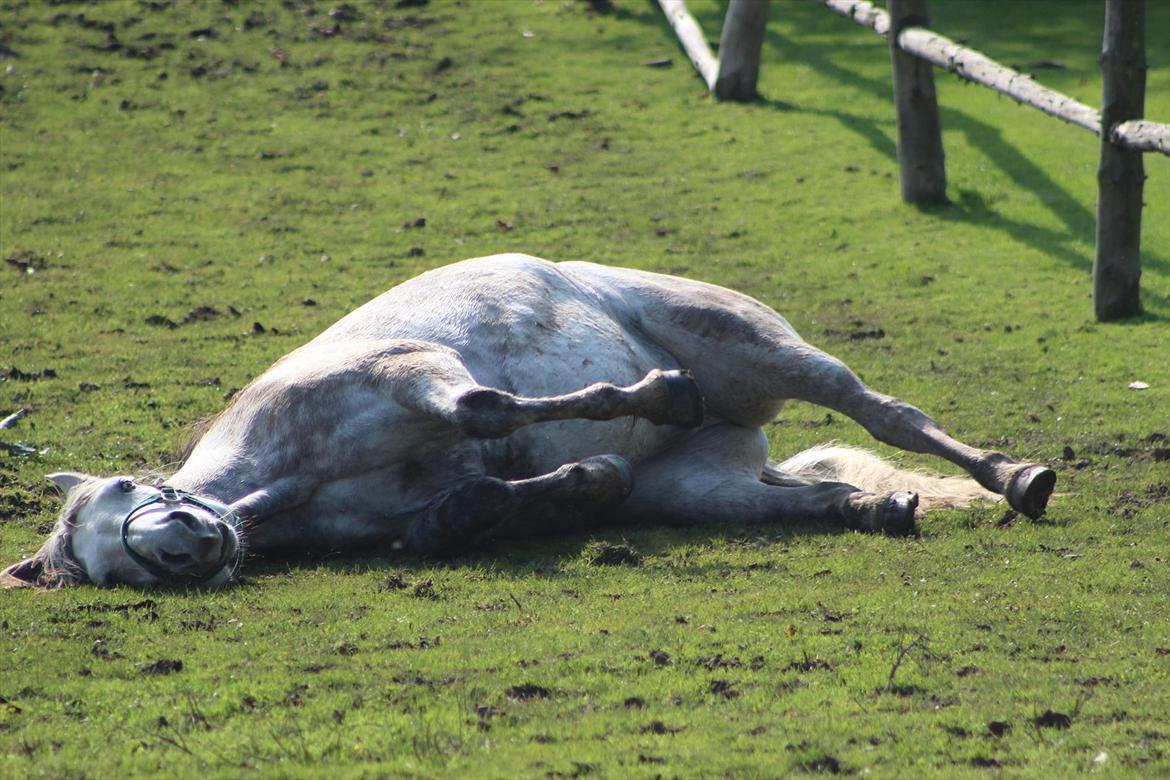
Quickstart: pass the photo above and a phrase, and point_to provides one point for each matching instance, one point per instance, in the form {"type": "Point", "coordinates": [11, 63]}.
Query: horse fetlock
{"type": "Point", "coordinates": [888, 513]}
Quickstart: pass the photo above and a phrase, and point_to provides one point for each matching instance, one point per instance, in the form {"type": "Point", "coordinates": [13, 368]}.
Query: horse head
{"type": "Point", "coordinates": [120, 531]}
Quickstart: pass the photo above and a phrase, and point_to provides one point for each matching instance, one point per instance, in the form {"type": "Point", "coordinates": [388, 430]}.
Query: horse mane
{"type": "Point", "coordinates": [59, 567]}
{"type": "Point", "coordinates": [192, 434]}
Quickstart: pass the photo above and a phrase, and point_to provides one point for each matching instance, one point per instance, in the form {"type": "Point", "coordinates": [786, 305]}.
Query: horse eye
{"type": "Point", "coordinates": [126, 485]}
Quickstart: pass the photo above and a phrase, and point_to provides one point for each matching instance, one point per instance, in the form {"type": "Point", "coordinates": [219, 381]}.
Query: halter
{"type": "Point", "coordinates": [173, 496]}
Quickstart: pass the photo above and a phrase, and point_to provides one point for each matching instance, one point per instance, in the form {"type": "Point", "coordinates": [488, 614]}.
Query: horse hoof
{"type": "Point", "coordinates": [1030, 489]}
{"type": "Point", "coordinates": [891, 514]}
{"type": "Point", "coordinates": [685, 400]}
{"type": "Point", "coordinates": [897, 517]}
{"type": "Point", "coordinates": [610, 478]}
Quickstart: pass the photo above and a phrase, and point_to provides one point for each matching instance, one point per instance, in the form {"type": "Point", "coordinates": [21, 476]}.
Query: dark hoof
{"type": "Point", "coordinates": [897, 517]}
{"type": "Point", "coordinates": [610, 478]}
{"type": "Point", "coordinates": [1030, 489]}
{"type": "Point", "coordinates": [891, 514]}
{"type": "Point", "coordinates": [686, 402]}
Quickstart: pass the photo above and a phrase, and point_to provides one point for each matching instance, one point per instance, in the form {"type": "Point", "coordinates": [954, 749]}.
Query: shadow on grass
{"type": "Point", "coordinates": [1073, 246]}
{"type": "Point", "coordinates": [548, 555]}
{"type": "Point", "coordinates": [545, 556]}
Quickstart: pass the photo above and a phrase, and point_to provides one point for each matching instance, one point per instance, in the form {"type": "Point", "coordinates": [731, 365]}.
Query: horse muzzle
{"type": "Point", "coordinates": [182, 539]}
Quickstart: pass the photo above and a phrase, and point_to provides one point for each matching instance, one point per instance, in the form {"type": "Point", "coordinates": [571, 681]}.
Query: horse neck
{"type": "Point", "coordinates": [212, 470]}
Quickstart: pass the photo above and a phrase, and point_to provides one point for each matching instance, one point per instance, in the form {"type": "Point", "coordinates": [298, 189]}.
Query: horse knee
{"type": "Point", "coordinates": [485, 413]}
{"type": "Point", "coordinates": [604, 480]}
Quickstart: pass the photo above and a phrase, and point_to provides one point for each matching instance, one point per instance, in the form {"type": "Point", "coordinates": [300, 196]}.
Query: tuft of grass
{"type": "Point", "coordinates": [602, 553]}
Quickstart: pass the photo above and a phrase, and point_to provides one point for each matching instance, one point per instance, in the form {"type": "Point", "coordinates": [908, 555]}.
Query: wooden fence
{"type": "Point", "coordinates": [914, 49]}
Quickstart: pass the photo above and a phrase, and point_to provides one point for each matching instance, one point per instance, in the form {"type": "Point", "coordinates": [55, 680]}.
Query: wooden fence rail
{"type": "Point", "coordinates": [970, 64]}
{"type": "Point", "coordinates": [1138, 135]}
{"type": "Point", "coordinates": [1124, 134]}
{"type": "Point", "coordinates": [692, 40]}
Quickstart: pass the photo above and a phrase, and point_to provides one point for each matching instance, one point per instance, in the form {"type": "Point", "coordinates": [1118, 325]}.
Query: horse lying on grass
{"type": "Point", "coordinates": [507, 392]}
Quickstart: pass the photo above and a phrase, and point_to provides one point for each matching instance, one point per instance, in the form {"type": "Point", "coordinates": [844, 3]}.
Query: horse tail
{"type": "Point", "coordinates": [867, 471]}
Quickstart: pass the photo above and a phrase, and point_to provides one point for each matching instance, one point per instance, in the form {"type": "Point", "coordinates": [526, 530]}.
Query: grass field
{"type": "Point", "coordinates": [191, 189]}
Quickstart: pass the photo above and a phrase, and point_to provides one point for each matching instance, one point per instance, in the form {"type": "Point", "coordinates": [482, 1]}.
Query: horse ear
{"type": "Point", "coordinates": [67, 480]}
{"type": "Point", "coordinates": [26, 574]}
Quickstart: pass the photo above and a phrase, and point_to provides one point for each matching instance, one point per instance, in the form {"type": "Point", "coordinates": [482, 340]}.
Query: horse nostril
{"type": "Point", "coordinates": [186, 518]}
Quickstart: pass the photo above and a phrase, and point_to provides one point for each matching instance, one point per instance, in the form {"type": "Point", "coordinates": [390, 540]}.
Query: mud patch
{"type": "Point", "coordinates": [23, 503]}
{"type": "Point", "coordinates": [159, 321]}
{"type": "Point", "coordinates": [1050, 719]}
{"type": "Point", "coordinates": [423, 643]}
{"type": "Point", "coordinates": [807, 665]}
{"type": "Point", "coordinates": [527, 691]}
{"type": "Point", "coordinates": [660, 657]}
{"type": "Point", "coordinates": [998, 728]}
{"type": "Point", "coordinates": [723, 688]}
{"type": "Point", "coordinates": [395, 581]}
{"type": "Point", "coordinates": [163, 666]}
{"type": "Point", "coordinates": [425, 590]}
{"type": "Point", "coordinates": [147, 609]}
{"type": "Point", "coordinates": [27, 263]}
{"type": "Point", "coordinates": [16, 375]}
{"type": "Point", "coordinates": [825, 764]}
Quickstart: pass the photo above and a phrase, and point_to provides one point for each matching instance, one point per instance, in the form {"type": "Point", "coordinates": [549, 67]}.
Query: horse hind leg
{"type": "Point", "coordinates": [747, 360]}
{"type": "Point", "coordinates": [828, 382]}
{"type": "Point", "coordinates": [719, 475]}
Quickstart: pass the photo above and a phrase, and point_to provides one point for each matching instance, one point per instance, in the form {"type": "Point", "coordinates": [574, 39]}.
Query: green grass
{"type": "Point", "coordinates": [250, 187]}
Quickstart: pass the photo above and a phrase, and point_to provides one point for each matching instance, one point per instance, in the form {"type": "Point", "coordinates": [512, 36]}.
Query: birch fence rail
{"type": "Point", "coordinates": [914, 48]}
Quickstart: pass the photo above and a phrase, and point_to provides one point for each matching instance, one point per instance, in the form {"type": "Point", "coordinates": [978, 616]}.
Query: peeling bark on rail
{"type": "Point", "coordinates": [975, 66]}
{"type": "Point", "coordinates": [865, 14]}
{"type": "Point", "coordinates": [692, 40]}
{"type": "Point", "coordinates": [1141, 136]}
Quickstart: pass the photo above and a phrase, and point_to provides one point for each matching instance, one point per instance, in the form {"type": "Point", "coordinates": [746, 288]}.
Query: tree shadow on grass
{"type": "Point", "coordinates": [1074, 245]}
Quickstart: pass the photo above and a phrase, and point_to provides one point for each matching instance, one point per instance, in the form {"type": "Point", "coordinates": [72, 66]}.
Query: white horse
{"type": "Point", "coordinates": [451, 408]}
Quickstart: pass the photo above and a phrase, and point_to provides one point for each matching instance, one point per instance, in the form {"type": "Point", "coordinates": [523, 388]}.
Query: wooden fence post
{"type": "Point", "coordinates": [1117, 268]}
{"type": "Point", "coordinates": [921, 164]}
{"type": "Point", "coordinates": [739, 50]}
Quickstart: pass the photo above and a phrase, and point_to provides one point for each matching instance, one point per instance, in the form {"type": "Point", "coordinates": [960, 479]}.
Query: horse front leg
{"type": "Point", "coordinates": [468, 512]}
{"type": "Point", "coordinates": [662, 397]}
{"type": "Point", "coordinates": [436, 383]}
